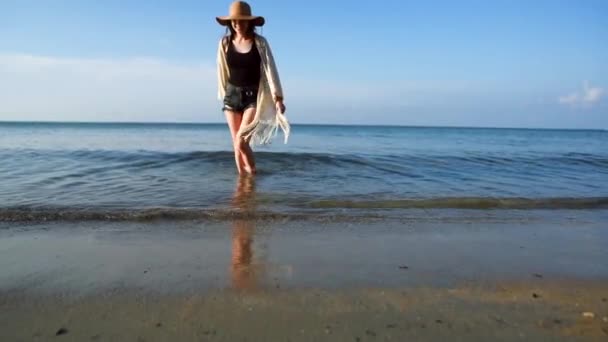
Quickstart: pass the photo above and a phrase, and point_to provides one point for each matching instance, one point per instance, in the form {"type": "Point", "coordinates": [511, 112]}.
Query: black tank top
{"type": "Point", "coordinates": [244, 67]}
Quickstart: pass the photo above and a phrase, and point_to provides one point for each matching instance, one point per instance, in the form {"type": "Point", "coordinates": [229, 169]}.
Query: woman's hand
{"type": "Point", "coordinates": [280, 106]}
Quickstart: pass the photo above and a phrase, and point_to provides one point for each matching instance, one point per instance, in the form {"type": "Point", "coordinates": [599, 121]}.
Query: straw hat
{"type": "Point", "coordinates": [240, 10]}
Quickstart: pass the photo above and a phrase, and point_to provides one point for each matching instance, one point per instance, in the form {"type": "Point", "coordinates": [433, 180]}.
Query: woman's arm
{"type": "Point", "coordinates": [272, 73]}
{"type": "Point", "coordinates": [222, 70]}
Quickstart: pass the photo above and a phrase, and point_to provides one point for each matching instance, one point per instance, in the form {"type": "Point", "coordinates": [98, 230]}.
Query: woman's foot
{"type": "Point", "coordinates": [250, 170]}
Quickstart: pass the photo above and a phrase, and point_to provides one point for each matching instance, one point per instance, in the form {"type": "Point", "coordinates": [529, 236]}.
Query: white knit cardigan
{"type": "Point", "coordinates": [267, 119]}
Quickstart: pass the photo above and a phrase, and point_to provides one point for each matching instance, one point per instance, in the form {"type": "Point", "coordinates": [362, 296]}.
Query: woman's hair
{"type": "Point", "coordinates": [231, 33]}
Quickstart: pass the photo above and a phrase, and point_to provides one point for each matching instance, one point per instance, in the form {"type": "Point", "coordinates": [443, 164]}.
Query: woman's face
{"type": "Point", "coordinates": [240, 26]}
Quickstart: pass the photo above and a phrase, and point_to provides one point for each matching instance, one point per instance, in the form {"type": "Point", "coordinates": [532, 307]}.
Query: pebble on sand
{"type": "Point", "coordinates": [61, 331]}
{"type": "Point", "coordinates": [588, 315]}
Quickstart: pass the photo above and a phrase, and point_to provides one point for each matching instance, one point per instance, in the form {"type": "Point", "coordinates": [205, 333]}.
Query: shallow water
{"type": "Point", "coordinates": [181, 168]}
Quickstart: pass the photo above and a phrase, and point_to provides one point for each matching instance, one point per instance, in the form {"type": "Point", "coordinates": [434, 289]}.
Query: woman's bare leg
{"type": "Point", "coordinates": [234, 120]}
{"type": "Point", "coordinates": [249, 160]}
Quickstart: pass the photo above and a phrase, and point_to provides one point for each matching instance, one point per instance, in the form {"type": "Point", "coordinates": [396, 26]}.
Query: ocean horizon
{"type": "Point", "coordinates": [296, 124]}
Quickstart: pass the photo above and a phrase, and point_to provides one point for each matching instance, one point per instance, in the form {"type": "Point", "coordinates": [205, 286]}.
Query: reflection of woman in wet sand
{"type": "Point", "coordinates": [242, 272]}
{"type": "Point", "coordinates": [243, 199]}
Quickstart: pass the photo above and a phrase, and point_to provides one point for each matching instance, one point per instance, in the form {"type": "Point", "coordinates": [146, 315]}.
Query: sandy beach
{"type": "Point", "coordinates": [457, 275]}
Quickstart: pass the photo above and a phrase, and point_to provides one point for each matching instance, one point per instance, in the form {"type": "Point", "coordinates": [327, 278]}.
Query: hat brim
{"type": "Point", "coordinates": [256, 21]}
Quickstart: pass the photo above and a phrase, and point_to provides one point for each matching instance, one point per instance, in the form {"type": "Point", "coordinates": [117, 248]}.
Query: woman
{"type": "Point", "coordinates": [249, 85]}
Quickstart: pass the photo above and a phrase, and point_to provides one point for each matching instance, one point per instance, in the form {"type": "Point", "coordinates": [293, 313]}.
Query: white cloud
{"type": "Point", "coordinates": [132, 89]}
{"type": "Point", "coordinates": [145, 89]}
{"type": "Point", "coordinates": [588, 96]}
{"type": "Point", "coordinates": [51, 88]}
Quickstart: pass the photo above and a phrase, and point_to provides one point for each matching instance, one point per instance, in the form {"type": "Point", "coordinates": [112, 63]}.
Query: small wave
{"type": "Point", "coordinates": [71, 214]}
{"type": "Point", "coordinates": [145, 159]}
{"type": "Point", "coordinates": [307, 209]}
{"type": "Point", "coordinates": [467, 203]}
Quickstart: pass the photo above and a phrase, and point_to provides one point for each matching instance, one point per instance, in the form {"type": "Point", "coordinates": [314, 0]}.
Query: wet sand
{"type": "Point", "coordinates": [500, 275]}
{"type": "Point", "coordinates": [507, 313]}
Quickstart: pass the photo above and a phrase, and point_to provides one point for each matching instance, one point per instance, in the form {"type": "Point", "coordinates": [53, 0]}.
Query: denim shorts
{"type": "Point", "coordinates": [238, 99]}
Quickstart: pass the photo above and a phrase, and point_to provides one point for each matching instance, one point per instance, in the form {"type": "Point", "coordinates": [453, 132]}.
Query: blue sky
{"type": "Point", "coordinates": [455, 63]}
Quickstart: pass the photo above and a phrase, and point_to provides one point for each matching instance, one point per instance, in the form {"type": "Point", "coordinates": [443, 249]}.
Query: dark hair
{"type": "Point", "coordinates": [231, 33]}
